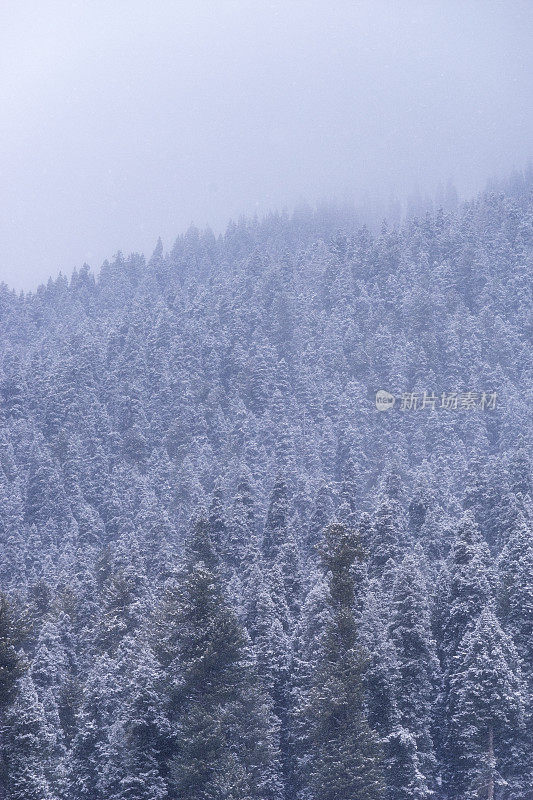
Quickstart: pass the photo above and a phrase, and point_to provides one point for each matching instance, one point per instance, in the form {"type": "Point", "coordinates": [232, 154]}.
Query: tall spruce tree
{"type": "Point", "coordinates": [136, 740]}
{"type": "Point", "coordinates": [465, 589]}
{"type": "Point", "coordinates": [11, 670]}
{"type": "Point", "coordinates": [486, 716]}
{"type": "Point", "coordinates": [225, 732]}
{"type": "Point", "coordinates": [418, 665]}
{"type": "Point", "coordinates": [344, 752]}
{"type": "Point", "coordinates": [28, 747]}
{"type": "Point", "coordinates": [515, 591]}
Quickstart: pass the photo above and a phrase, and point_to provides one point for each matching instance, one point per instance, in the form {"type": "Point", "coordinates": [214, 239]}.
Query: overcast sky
{"type": "Point", "coordinates": [124, 120]}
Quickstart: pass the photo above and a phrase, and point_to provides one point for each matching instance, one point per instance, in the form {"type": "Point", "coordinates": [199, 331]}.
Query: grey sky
{"type": "Point", "coordinates": [128, 119]}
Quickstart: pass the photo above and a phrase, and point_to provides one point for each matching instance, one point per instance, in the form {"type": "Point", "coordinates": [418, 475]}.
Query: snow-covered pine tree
{"type": "Point", "coordinates": [485, 709]}
{"type": "Point", "coordinates": [344, 753]}
{"type": "Point", "coordinates": [418, 665]}
{"type": "Point", "coordinates": [223, 719]}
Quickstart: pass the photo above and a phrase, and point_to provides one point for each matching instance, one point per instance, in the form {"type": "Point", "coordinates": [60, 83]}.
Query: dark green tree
{"type": "Point", "coordinates": [224, 726]}
{"type": "Point", "coordinates": [344, 758]}
{"type": "Point", "coordinates": [11, 670]}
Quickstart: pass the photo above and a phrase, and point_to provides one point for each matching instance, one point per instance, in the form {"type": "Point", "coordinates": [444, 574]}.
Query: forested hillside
{"type": "Point", "coordinates": [225, 573]}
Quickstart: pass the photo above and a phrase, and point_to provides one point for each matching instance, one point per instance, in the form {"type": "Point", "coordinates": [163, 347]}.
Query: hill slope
{"type": "Point", "coordinates": [176, 438]}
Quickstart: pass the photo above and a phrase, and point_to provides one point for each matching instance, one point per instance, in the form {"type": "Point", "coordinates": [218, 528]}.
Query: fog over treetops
{"type": "Point", "coordinates": [126, 121]}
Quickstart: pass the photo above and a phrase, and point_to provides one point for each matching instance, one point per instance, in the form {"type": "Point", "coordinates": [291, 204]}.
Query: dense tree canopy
{"type": "Point", "coordinates": [224, 572]}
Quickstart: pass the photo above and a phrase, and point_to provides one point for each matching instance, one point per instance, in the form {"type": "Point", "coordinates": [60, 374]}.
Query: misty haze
{"type": "Point", "coordinates": [126, 121]}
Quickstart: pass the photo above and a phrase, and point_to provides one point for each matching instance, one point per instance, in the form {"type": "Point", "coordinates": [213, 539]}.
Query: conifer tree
{"type": "Point", "coordinates": [277, 521]}
{"type": "Point", "coordinates": [242, 544]}
{"type": "Point", "coordinates": [12, 668]}
{"type": "Point", "coordinates": [381, 678]}
{"type": "Point", "coordinates": [404, 778]}
{"type": "Point", "coordinates": [122, 608]}
{"type": "Point", "coordinates": [515, 591]}
{"type": "Point", "coordinates": [94, 721]}
{"type": "Point", "coordinates": [307, 650]}
{"type": "Point", "coordinates": [486, 715]}
{"type": "Point", "coordinates": [418, 666]}
{"type": "Point", "coordinates": [467, 589]}
{"type": "Point", "coordinates": [218, 528]}
{"type": "Point", "coordinates": [12, 631]}
{"type": "Point", "coordinates": [27, 747]}
{"type": "Point", "coordinates": [137, 739]}
{"type": "Point", "coordinates": [344, 752]}
{"type": "Point", "coordinates": [223, 720]}
{"type": "Point", "coordinates": [386, 538]}
{"type": "Point", "coordinates": [323, 512]}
